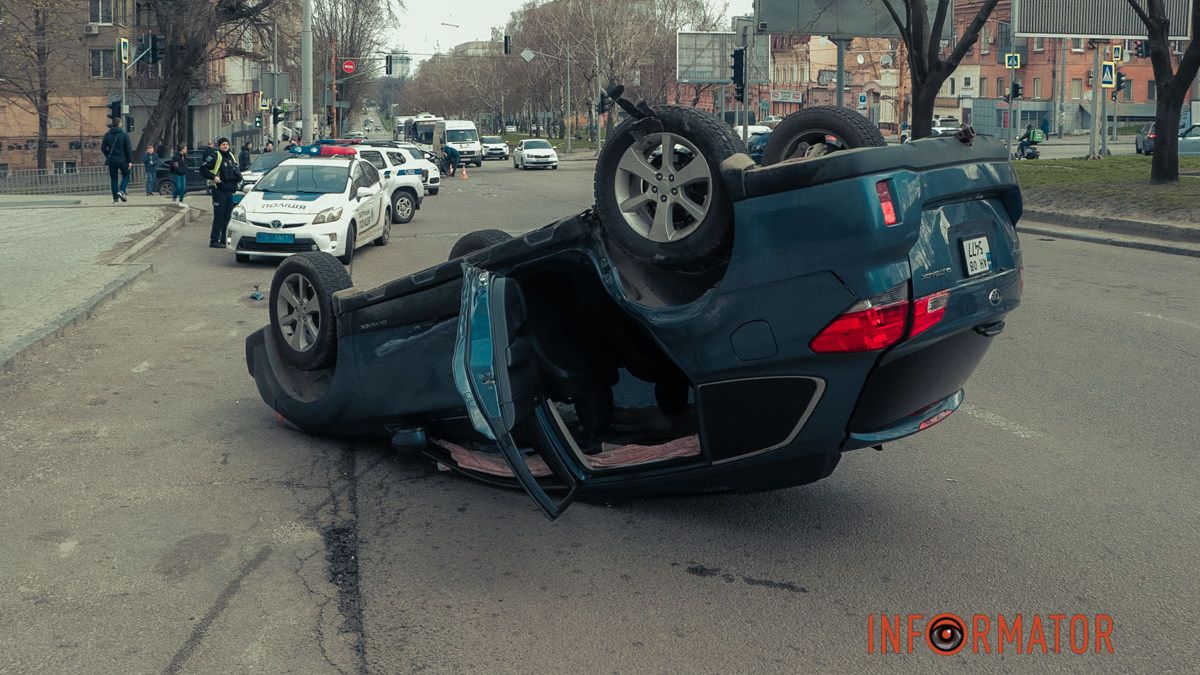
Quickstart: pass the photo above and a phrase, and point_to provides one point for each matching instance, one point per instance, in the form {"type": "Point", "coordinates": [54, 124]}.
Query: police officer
{"type": "Point", "coordinates": [220, 169]}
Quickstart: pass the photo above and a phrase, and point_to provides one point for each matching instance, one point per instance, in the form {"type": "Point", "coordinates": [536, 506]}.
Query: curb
{"type": "Point", "coordinates": [1076, 234]}
{"type": "Point", "coordinates": [173, 223]}
{"type": "Point", "coordinates": [1134, 228]}
{"type": "Point", "coordinates": [70, 317]}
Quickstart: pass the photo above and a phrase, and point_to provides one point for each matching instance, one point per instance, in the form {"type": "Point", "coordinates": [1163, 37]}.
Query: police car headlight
{"type": "Point", "coordinates": [329, 215]}
{"type": "Point", "coordinates": [239, 214]}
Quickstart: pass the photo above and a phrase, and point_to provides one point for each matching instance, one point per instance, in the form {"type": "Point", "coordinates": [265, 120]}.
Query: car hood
{"type": "Point", "coordinates": [283, 203]}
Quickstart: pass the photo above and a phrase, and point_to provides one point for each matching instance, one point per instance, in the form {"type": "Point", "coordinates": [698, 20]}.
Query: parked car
{"type": "Point", "coordinates": [261, 165]}
{"type": "Point", "coordinates": [194, 182]}
{"type": "Point", "coordinates": [752, 129]}
{"type": "Point", "coordinates": [494, 147]}
{"type": "Point", "coordinates": [1189, 142]}
{"type": "Point", "coordinates": [332, 203]}
{"type": "Point", "coordinates": [427, 163]}
{"type": "Point", "coordinates": [1143, 143]}
{"type": "Point", "coordinates": [402, 179]}
{"type": "Point", "coordinates": [646, 345]}
{"type": "Point", "coordinates": [756, 145]}
{"type": "Point", "coordinates": [534, 153]}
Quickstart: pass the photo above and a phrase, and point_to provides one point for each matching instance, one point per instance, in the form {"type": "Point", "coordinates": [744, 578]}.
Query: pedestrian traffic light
{"type": "Point", "coordinates": [276, 115]}
{"type": "Point", "coordinates": [508, 44]}
{"type": "Point", "coordinates": [114, 109]}
{"type": "Point", "coordinates": [1016, 91]}
{"type": "Point", "coordinates": [1122, 82]}
{"type": "Point", "coordinates": [739, 74]}
{"type": "Point", "coordinates": [155, 49]}
{"type": "Point", "coordinates": [258, 121]}
{"type": "Point", "coordinates": [129, 124]}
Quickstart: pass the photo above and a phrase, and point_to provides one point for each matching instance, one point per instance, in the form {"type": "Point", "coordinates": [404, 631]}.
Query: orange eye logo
{"type": "Point", "coordinates": [946, 634]}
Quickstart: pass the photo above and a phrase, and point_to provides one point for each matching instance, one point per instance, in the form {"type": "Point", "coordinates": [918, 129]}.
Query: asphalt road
{"type": "Point", "coordinates": [158, 519]}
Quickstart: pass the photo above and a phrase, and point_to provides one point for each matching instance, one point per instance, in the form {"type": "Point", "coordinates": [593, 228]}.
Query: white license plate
{"type": "Point", "coordinates": [978, 255]}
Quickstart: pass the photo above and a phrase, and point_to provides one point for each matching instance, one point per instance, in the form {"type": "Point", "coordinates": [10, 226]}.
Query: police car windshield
{"type": "Point", "coordinates": [298, 177]}
{"type": "Point", "coordinates": [461, 135]}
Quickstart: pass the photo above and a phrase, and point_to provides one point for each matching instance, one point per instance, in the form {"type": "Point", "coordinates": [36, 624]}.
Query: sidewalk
{"type": "Point", "coordinates": [67, 255]}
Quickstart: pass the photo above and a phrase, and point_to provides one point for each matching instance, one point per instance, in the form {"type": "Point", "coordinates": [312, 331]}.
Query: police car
{"type": "Point", "coordinates": [399, 159]}
{"type": "Point", "coordinates": [326, 202]}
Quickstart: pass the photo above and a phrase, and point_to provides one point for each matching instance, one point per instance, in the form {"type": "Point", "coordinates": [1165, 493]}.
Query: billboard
{"type": "Point", "coordinates": [835, 18]}
{"type": "Point", "coordinates": [1112, 19]}
{"type": "Point", "coordinates": [705, 58]}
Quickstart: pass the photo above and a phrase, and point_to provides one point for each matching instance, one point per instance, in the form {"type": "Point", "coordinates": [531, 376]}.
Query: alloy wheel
{"type": "Point", "coordinates": [664, 187]}
{"type": "Point", "coordinates": [299, 312]}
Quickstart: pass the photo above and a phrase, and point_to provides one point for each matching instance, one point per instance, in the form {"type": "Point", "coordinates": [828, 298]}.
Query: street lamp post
{"type": "Point", "coordinates": [528, 55]}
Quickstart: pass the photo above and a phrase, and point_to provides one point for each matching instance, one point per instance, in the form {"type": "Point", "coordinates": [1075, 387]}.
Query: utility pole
{"type": "Point", "coordinates": [271, 130]}
{"type": "Point", "coordinates": [306, 74]}
{"type": "Point", "coordinates": [1096, 94]}
{"type": "Point", "coordinates": [570, 111]}
{"type": "Point", "coordinates": [841, 71]}
{"type": "Point", "coordinates": [1062, 87]}
{"type": "Point", "coordinates": [333, 128]}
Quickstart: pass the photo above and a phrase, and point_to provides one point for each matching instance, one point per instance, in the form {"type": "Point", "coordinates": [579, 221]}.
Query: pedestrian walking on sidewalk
{"type": "Point", "coordinates": [118, 156]}
{"type": "Point", "coordinates": [152, 162]}
{"type": "Point", "coordinates": [178, 169]}
{"type": "Point", "coordinates": [244, 157]}
{"type": "Point", "coordinates": [220, 169]}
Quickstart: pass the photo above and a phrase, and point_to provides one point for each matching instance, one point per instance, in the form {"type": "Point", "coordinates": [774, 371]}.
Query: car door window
{"type": "Point", "coordinates": [374, 157]}
{"type": "Point", "coordinates": [1194, 132]}
{"type": "Point", "coordinates": [396, 157]}
{"type": "Point", "coordinates": [356, 175]}
{"type": "Point", "coordinates": [369, 175]}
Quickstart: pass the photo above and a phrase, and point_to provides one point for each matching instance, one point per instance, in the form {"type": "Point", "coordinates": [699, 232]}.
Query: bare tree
{"type": "Point", "coordinates": [1171, 83]}
{"type": "Point", "coordinates": [36, 53]}
{"type": "Point", "coordinates": [923, 40]}
{"type": "Point", "coordinates": [351, 29]}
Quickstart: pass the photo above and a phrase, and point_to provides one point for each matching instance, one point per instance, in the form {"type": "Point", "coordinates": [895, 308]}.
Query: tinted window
{"type": "Point", "coordinates": [396, 157]}
{"type": "Point", "coordinates": [537, 145]}
{"type": "Point", "coordinates": [461, 135]}
{"type": "Point", "coordinates": [369, 175]}
{"type": "Point", "coordinates": [374, 157]}
{"type": "Point", "coordinates": [299, 177]}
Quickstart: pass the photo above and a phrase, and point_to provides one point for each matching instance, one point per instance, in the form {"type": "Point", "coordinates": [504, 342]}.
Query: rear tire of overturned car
{"type": "Point", "coordinates": [660, 197]}
{"type": "Point", "coordinates": [301, 308]}
{"type": "Point", "coordinates": [477, 241]}
{"type": "Point", "coordinates": [813, 127]}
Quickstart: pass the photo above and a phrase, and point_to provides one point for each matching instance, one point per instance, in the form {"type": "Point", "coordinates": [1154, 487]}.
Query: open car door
{"type": "Point", "coordinates": [496, 372]}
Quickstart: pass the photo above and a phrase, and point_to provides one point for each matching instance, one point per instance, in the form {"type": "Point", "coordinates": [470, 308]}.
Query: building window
{"type": "Point", "coordinates": [104, 62]}
{"type": "Point", "coordinates": [1076, 88]}
{"type": "Point", "coordinates": [64, 167]}
{"type": "Point", "coordinates": [985, 40]}
{"type": "Point", "coordinates": [1000, 86]}
{"type": "Point", "coordinates": [100, 11]}
{"type": "Point", "coordinates": [1127, 92]}
{"type": "Point", "coordinates": [951, 86]}
{"type": "Point", "coordinates": [1151, 92]}
{"type": "Point", "coordinates": [1076, 44]}
{"type": "Point", "coordinates": [966, 82]}
{"type": "Point", "coordinates": [1039, 44]}
{"type": "Point", "coordinates": [982, 87]}
{"type": "Point", "coordinates": [1037, 87]}
{"type": "Point", "coordinates": [3, 170]}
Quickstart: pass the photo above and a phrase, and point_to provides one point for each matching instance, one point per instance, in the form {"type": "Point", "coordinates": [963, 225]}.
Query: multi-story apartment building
{"type": "Point", "coordinates": [85, 75]}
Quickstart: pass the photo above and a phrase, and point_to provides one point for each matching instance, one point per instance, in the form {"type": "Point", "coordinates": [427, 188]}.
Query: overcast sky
{"type": "Point", "coordinates": [421, 31]}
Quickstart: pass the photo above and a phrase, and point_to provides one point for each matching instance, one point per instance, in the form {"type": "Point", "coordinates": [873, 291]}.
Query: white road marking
{"type": "Point", "coordinates": [999, 422]}
{"type": "Point", "coordinates": [1170, 319]}
{"type": "Point", "coordinates": [141, 367]}
{"type": "Point", "coordinates": [66, 548]}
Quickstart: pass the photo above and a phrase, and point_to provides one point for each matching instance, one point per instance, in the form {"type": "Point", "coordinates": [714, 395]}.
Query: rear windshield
{"type": "Point", "coordinates": [537, 145]}
{"type": "Point", "coordinates": [300, 178]}
{"type": "Point", "coordinates": [461, 135]}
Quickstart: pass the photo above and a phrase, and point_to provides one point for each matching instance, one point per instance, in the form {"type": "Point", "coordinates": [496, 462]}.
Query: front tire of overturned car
{"type": "Point", "coordinates": [677, 217]}
{"type": "Point", "coordinates": [301, 308]}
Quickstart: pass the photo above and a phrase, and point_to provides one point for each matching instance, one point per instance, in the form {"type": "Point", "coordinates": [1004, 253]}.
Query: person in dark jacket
{"type": "Point", "coordinates": [220, 169]}
{"type": "Point", "coordinates": [452, 156]}
{"type": "Point", "coordinates": [152, 162]}
{"type": "Point", "coordinates": [118, 156]}
{"type": "Point", "coordinates": [178, 168]}
{"type": "Point", "coordinates": [244, 158]}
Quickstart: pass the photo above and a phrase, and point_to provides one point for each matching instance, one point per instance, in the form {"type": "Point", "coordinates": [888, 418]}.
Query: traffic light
{"type": "Point", "coordinates": [276, 115]}
{"type": "Point", "coordinates": [507, 44]}
{"type": "Point", "coordinates": [155, 49]}
{"type": "Point", "coordinates": [258, 121]}
{"type": "Point", "coordinates": [387, 64]}
{"type": "Point", "coordinates": [739, 74]}
{"type": "Point", "coordinates": [1016, 91]}
{"type": "Point", "coordinates": [1122, 82]}
{"type": "Point", "coordinates": [129, 124]}
{"type": "Point", "coordinates": [114, 109]}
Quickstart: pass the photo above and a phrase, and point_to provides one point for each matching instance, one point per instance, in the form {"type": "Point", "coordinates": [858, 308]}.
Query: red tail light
{"type": "Point", "coordinates": [880, 322]}
{"type": "Point", "coordinates": [885, 202]}
{"type": "Point", "coordinates": [1151, 135]}
{"type": "Point", "coordinates": [935, 419]}
{"type": "Point", "coordinates": [870, 325]}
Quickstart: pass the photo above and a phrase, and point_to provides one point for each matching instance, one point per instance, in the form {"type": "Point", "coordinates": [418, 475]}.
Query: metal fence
{"type": "Point", "coordinates": [88, 180]}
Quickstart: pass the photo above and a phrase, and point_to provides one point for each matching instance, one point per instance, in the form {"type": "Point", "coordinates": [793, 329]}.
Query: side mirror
{"type": "Point", "coordinates": [247, 188]}
{"type": "Point", "coordinates": [368, 191]}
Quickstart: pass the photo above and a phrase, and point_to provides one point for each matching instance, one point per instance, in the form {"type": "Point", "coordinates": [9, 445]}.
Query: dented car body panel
{"type": "Point", "coordinates": [488, 346]}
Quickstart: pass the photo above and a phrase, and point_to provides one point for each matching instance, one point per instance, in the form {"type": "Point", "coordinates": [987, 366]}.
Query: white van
{"type": "Point", "coordinates": [461, 135]}
{"type": "Point", "coordinates": [422, 130]}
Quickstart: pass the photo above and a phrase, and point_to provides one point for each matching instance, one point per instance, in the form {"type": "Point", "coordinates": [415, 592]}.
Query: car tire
{"type": "Point", "coordinates": [706, 237]}
{"type": "Point", "coordinates": [316, 276]}
{"type": "Point", "coordinates": [804, 129]}
{"type": "Point", "coordinates": [477, 241]}
{"type": "Point", "coordinates": [351, 240]}
{"type": "Point", "coordinates": [242, 257]}
{"type": "Point", "coordinates": [433, 191]}
{"type": "Point", "coordinates": [166, 188]}
{"type": "Point", "coordinates": [404, 206]}
{"type": "Point", "coordinates": [383, 239]}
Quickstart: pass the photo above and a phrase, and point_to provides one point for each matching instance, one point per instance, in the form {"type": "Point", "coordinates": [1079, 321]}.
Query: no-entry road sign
{"type": "Point", "coordinates": [348, 66]}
